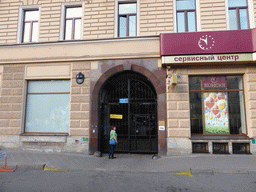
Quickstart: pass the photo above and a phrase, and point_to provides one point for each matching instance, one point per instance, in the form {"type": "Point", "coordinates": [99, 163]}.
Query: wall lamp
{"type": "Point", "coordinates": [80, 78]}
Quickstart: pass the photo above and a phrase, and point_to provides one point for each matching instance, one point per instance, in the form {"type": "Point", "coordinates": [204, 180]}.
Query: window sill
{"type": "Point", "coordinates": [40, 138]}
{"type": "Point", "coordinates": [219, 137]}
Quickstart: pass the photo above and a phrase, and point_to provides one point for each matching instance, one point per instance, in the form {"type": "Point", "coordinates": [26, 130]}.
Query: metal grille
{"type": "Point", "coordinates": [137, 129]}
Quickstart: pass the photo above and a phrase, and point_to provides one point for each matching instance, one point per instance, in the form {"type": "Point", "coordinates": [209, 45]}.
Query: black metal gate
{"type": "Point", "coordinates": [128, 101]}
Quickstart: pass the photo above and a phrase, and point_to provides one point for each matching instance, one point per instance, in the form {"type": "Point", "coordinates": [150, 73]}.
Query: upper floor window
{"type": "Point", "coordinates": [73, 23]}
{"type": "Point", "coordinates": [30, 26]}
{"type": "Point", "coordinates": [127, 19]}
{"type": "Point", "coordinates": [186, 15]}
{"type": "Point", "coordinates": [238, 14]}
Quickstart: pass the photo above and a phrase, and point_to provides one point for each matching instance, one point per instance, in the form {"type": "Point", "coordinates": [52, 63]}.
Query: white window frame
{"type": "Point", "coordinates": [63, 17]}
{"type": "Point", "coordinates": [22, 11]}
{"type": "Point", "coordinates": [25, 94]}
{"type": "Point", "coordinates": [137, 16]}
{"type": "Point", "coordinates": [250, 14]}
{"type": "Point", "coordinates": [198, 16]}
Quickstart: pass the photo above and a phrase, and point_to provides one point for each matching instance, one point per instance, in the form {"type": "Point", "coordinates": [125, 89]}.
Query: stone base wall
{"type": "Point", "coordinates": [253, 148]}
{"type": "Point", "coordinates": [179, 146]}
{"type": "Point", "coordinates": [46, 143]}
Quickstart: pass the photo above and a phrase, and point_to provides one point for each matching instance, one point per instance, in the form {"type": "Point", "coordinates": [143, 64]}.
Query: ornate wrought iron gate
{"type": "Point", "coordinates": [129, 101]}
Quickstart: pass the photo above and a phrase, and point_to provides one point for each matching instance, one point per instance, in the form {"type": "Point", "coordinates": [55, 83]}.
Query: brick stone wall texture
{"type": "Point", "coordinates": [79, 102]}
{"type": "Point", "coordinates": [250, 97]}
{"type": "Point", "coordinates": [11, 99]}
{"type": "Point", "coordinates": [156, 16]}
{"type": "Point", "coordinates": [178, 106]}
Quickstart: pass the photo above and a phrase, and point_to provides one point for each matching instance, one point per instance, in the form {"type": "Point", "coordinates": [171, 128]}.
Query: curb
{"type": "Point", "coordinates": [30, 167]}
{"type": "Point", "coordinates": [25, 167]}
{"type": "Point", "coordinates": [227, 171]}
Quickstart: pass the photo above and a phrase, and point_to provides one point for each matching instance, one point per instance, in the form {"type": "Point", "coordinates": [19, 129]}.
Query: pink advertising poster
{"type": "Point", "coordinates": [216, 113]}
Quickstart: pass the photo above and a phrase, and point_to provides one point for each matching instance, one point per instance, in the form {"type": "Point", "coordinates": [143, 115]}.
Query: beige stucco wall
{"type": "Point", "coordinates": [57, 61]}
{"type": "Point", "coordinates": [213, 15]}
{"type": "Point", "coordinates": [11, 100]}
{"type": "Point", "coordinates": [155, 17]}
{"type": "Point", "coordinates": [250, 98]}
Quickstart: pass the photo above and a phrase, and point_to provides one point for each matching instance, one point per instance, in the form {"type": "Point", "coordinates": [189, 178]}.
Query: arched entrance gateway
{"type": "Point", "coordinates": [128, 100]}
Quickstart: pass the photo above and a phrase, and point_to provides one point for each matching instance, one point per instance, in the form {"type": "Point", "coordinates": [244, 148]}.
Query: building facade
{"type": "Point", "coordinates": [175, 77]}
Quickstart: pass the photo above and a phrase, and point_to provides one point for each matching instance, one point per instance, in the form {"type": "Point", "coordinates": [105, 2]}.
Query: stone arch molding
{"type": "Point", "coordinates": [153, 77]}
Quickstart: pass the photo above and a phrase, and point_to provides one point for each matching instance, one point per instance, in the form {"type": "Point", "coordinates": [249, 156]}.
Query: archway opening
{"type": "Point", "coordinates": [128, 100]}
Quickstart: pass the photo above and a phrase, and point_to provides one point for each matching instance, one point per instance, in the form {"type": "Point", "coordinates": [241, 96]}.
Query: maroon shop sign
{"type": "Point", "coordinates": [214, 82]}
{"type": "Point", "coordinates": [209, 42]}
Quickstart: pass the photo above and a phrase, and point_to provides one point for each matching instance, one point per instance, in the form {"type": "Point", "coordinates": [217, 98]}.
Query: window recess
{"type": "Point", "coordinates": [217, 105]}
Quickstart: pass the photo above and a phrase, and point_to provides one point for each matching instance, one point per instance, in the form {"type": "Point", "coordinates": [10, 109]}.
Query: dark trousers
{"type": "Point", "coordinates": [112, 150]}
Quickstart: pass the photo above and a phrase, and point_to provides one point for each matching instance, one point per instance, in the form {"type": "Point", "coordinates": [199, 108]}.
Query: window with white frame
{"type": "Point", "coordinates": [73, 22]}
{"type": "Point", "coordinates": [186, 15]}
{"type": "Point", "coordinates": [127, 19]}
{"type": "Point", "coordinates": [47, 108]}
{"type": "Point", "coordinates": [30, 25]}
{"type": "Point", "coordinates": [238, 14]}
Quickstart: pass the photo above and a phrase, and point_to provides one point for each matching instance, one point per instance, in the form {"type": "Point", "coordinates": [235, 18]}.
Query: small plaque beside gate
{"type": "Point", "coordinates": [126, 100]}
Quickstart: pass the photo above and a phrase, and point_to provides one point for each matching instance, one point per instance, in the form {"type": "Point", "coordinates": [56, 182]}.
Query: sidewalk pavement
{"type": "Point", "coordinates": [197, 163]}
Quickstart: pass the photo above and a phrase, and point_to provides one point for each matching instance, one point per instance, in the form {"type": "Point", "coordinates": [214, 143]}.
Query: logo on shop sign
{"type": "Point", "coordinates": [206, 42]}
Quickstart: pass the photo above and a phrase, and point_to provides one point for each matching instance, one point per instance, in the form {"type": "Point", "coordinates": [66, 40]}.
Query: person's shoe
{"type": "Point", "coordinates": [113, 157]}
{"type": "Point", "coordinates": [110, 157]}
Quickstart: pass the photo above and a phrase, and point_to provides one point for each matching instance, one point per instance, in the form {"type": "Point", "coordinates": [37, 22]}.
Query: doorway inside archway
{"type": "Point", "coordinates": [128, 101]}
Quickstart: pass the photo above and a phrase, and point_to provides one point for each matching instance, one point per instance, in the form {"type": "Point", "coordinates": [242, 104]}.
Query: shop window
{"type": "Point", "coordinates": [200, 147]}
{"type": "Point", "coordinates": [186, 15]}
{"type": "Point", "coordinates": [238, 14]}
{"type": "Point", "coordinates": [30, 26]}
{"type": "Point", "coordinates": [127, 19]}
{"type": "Point", "coordinates": [220, 148]}
{"type": "Point", "coordinates": [217, 105]}
{"type": "Point", "coordinates": [47, 108]}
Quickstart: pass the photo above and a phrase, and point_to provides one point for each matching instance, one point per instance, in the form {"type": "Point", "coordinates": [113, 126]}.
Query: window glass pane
{"type": "Point", "coordinates": [132, 26]}
{"type": "Point", "coordinates": [47, 113]}
{"type": "Point", "coordinates": [127, 8]}
{"type": "Point", "coordinates": [235, 102]}
{"type": "Point", "coordinates": [77, 28]}
{"type": "Point", "coordinates": [72, 12]}
{"type": "Point", "coordinates": [191, 22]}
{"type": "Point", "coordinates": [195, 83]}
{"type": "Point", "coordinates": [27, 31]}
{"type": "Point", "coordinates": [196, 112]}
{"type": "Point", "coordinates": [122, 26]}
{"type": "Point", "coordinates": [243, 18]}
{"type": "Point", "coordinates": [68, 30]}
{"type": "Point", "coordinates": [180, 22]}
{"type": "Point", "coordinates": [35, 32]}
{"type": "Point", "coordinates": [234, 82]}
{"type": "Point", "coordinates": [48, 86]}
{"type": "Point", "coordinates": [32, 15]}
{"type": "Point", "coordinates": [232, 20]}
{"type": "Point", "coordinates": [237, 3]}
{"type": "Point", "coordinates": [185, 4]}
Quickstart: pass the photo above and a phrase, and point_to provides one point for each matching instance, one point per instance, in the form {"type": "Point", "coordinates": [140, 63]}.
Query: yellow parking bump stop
{"type": "Point", "coordinates": [182, 173]}
{"type": "Point", "coordinates": [52, 169]}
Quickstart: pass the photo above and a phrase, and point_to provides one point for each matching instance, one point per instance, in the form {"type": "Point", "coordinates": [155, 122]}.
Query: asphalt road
{"type": "Point", "coordinates": [65, 181]}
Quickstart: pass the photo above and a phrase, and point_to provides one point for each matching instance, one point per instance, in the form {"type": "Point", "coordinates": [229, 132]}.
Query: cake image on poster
{"type": "Point", "coordinates": [216, 113]}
